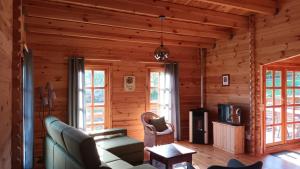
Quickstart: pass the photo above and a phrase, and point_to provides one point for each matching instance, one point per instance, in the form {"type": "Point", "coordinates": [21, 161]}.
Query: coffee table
{"type": "Point", "coordinates": [170, 154]}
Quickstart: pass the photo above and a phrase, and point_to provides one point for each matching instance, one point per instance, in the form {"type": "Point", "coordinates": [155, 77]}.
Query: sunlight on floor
{"type": "Point", "coordinates": [291, 157]}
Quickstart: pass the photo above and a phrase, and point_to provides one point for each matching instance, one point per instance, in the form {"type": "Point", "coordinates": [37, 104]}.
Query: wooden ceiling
{"type": "Point", "coordinates": [188, 23]}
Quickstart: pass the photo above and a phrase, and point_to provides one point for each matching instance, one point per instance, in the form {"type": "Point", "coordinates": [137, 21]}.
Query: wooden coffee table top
{"type": "Point", "coordinates": [170, 150]}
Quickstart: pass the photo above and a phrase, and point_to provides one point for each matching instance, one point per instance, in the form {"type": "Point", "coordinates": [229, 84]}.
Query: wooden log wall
{"type": "Point", "coordinates": [277, 37]}
{"type": "Point", "coordinates": [228, 57]}
{"type": "Point", "coordinates": [50, 64]}
{"type": "Point", "coordinates": [6, 14]}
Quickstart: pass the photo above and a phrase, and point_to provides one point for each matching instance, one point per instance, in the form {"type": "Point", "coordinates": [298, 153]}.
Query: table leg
{"type": "Point", "coordinates": [190, 159]}
{"type": "Point", "coordinates": [151, 159]}
{"type": "Point", "coordinates": [169, 166]}
{"type": "Point", "coordinates": [189, 162]}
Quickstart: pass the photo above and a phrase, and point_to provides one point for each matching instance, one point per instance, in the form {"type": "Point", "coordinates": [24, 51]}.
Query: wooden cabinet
{"type": "Point", "coordinates": [229, 138]}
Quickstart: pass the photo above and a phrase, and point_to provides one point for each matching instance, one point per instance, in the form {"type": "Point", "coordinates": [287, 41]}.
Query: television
{"type": "Point", "coordinates": [228, 113]}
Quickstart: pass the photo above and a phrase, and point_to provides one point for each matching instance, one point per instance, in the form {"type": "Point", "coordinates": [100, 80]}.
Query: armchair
{"type": "Point", "coordinates": [235, 164]}
{"type": "Point", "coordinates": [151, 136]}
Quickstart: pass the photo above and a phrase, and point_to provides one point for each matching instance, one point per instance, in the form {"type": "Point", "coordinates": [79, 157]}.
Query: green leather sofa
{"type": "Point", "coordinates": [69, 148]}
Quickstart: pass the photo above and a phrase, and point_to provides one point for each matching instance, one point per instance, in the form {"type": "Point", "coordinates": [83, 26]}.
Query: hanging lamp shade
{"type": "Point", "coordinates": [161, 53]}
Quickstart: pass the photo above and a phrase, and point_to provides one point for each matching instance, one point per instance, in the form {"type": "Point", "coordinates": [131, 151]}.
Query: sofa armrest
{"type": "Point", "coordinates": [112, 131]}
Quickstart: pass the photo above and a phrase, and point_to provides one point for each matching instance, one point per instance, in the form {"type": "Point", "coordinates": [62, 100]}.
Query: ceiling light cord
{"type": "Point", "coordinates": [161, 30]}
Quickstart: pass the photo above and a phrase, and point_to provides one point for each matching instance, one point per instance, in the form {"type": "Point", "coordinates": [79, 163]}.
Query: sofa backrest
{"type": "Point", "coordinates": [77, 145]}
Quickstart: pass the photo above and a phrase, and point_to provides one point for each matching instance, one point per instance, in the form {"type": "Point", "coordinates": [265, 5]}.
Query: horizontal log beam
{"type": "Point", "coordinates": [102, 29]}
{"type": "Point", "coordinates": [118, 37]}
{"type": "Point", "coordinates": [266, 7]}
{"type": "Point", "coordinates": [114, 19]}
{"type": "Point", "coordinates": [75, 45]}
{"type": "Point", "coordinates": [155, 8]}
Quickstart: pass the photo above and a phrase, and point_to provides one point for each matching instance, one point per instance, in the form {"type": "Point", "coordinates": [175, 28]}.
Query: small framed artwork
{"type": "Point", "coordinates": [225, 80]}
{"type": "Point", "coordinates": [129, 83]}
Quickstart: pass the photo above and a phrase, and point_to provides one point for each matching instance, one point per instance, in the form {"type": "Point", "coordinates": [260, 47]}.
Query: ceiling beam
{"type": "Point", "coordinates": [266, 7]}
{"type": "Point", "coordinates": [172, 11]}
{"type": "Point", "coordinates": [114, 19]}
{"type": "Point", "coordinates": [102, 29]}
{"type": "Point", "coordinates": [76, 31]}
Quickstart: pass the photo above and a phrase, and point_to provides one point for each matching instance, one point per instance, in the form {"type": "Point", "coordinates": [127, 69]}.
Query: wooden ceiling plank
{"type": "Point", "coordinates": [107, 37]}
{"type": "Point", "coordinates": [52, 30]}
{"type": "Point", "coordinates": [113, 19]}
{"type": "Point", "coordinates": [155, 8]}
{"type": "Point", "coordinates": [187, 2]}
{"type": "Point", "coordinates": [266, 7]}
{"type": "Point", "coordinates": [83, 27]}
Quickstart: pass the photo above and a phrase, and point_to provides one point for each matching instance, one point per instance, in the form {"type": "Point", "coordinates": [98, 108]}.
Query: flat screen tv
{"type": "Point", "coordinates": [228, 113]}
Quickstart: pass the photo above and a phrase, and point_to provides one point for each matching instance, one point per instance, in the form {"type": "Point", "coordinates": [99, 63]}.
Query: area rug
{"type": "Point", "coordinates": [290, 156]}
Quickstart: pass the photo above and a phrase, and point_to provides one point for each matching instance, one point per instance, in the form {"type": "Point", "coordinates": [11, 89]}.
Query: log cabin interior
{"type": "Point", "coordinates": [79, 78]}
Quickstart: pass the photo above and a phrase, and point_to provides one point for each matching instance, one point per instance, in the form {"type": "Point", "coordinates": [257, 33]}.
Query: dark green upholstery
{"type": "Point", "coordinates": [236, 164]}
{"type": "Point", "coordinates": [126, 148]}
{"type": "Point", "coordinates": [82, 147]}
{"type": "Point", "coordinates": [106, 156]}
{"type": "Point", "coordinates": [119, 164]}
{"type": "Point", "coordinates": [69, 148]}
{"type": "Point", "coordinates": [54, 129]}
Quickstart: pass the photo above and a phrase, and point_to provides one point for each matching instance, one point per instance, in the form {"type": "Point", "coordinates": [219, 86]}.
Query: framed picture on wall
{"type": "Point", "coordinates": [225, 80]}
{"type": "Point", "coordinates": [129, 83]}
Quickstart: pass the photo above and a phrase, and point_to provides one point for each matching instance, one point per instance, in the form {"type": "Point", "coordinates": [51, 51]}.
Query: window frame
{"type": "Point", "coordinates": [148, 86]}
{"type": "Point", "coordinates": [107, 88]}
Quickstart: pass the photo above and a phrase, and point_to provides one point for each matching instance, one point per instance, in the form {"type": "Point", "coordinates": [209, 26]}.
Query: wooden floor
{"type": "Point", "coordinates": [207, 155]}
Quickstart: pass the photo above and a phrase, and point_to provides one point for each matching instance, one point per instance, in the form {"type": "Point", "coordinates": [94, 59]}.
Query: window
{"type": "Point", "coordinates": [282, 105]}
{"type": "Point", "coordinates": [159, 94]}
{"type": "Point", "coordinates": [96, 93]}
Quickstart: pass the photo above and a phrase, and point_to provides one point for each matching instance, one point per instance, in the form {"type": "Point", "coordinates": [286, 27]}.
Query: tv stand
{"type": "Point", "coordinates": [229, 138]}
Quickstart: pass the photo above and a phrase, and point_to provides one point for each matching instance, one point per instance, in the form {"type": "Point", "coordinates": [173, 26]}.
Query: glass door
{"type": "Point", "coordinates": [293, 105]}
{"type": "Point", "coordinates": [281, 89]}
{"type": "Point", "coordinates": [273, 106]}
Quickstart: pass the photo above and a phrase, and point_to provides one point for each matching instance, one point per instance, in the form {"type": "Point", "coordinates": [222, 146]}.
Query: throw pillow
{"type": "Point", "coordinates": [159, 124]}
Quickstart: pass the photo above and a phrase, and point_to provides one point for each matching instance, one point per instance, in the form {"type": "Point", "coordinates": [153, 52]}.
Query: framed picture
{"type": "Point", "coordinates": [225, 80]}
{"type": "Point", "coordinates": [129, 83]}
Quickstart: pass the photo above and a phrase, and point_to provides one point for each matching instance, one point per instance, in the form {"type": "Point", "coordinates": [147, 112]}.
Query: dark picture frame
{"type": "Point", "coordinates": [225, 80]}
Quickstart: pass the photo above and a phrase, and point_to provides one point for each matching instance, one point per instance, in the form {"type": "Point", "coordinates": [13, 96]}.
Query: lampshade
{"type": "Point", "coordinates": [161, 53]}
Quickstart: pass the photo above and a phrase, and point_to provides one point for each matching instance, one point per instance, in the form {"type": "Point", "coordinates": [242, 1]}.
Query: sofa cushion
{"type": "Point", "coordinates": [106, 156]}
{"type": "Point", "coordinates": [54, 129]}
{"type": "Point", "coordinates": [121, 145]}
{"type": "Point", "coordinates": [143, 166]}
{"type": "Point", "coordinates": [82, 147]}
{"type": "Point", "coordinates": [119, 164]}
{"type": "Point", "coordinates": [159, 124]}
{"type": "Point", "coordinates": [135, 158]}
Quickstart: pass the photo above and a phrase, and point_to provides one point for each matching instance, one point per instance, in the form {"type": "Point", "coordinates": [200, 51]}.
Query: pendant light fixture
{"type": "Point", "coordinates": [161, 53]}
